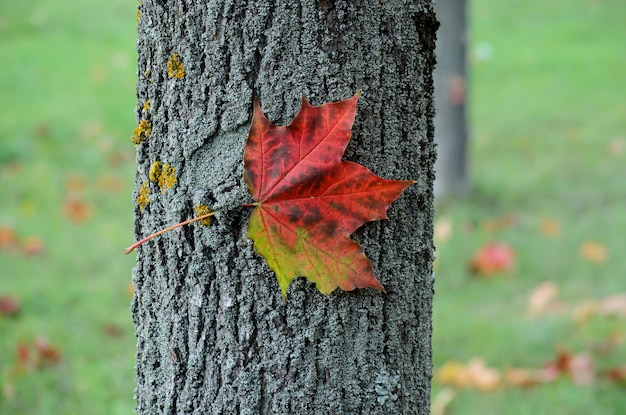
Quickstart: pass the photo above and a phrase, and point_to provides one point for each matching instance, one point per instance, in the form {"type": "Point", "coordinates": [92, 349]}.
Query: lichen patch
{"type": "Point", "coordinates": [202, 210]}
{"type": "Point", "coordinates": [143, 199]}
{"type": "Point", "coordinates": [175, 67]}
{"type": "Point", "coordinates": [143, 131]}
{"type": "Point", "coordinates": [163, 175]}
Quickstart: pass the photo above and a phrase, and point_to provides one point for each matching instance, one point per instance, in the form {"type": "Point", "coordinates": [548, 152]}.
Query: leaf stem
{"type": "Point", "coordinates": [169, 228]}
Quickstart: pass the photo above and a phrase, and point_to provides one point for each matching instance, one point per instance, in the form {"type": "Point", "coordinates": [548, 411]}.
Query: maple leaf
{"type": "Point", "coordinates": [308, 201]}
{"type": "Point", "coordinates": [492, 258]}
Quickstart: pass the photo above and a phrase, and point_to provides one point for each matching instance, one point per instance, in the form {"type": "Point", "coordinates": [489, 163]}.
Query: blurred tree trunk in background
{"type": "Point", "coordinates": [451, 129]}
{"type": "Point", "coordinates": [214, 336]}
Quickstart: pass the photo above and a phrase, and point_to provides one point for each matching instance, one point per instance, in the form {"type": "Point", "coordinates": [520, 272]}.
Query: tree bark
{"type": "Point", "coordinates": [214, 336]}
{"type": "Point", "coordinates": [451, 129]}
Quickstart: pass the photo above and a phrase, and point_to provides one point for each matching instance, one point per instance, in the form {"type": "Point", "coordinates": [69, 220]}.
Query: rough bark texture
{"type": "Point", "coordinates": [451, 129]}
{"type": "Point", "coordinates": [214, 336]}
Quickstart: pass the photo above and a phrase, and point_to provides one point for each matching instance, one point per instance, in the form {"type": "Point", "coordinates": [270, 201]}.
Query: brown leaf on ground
{"type": "Point", "coordinates": [8, 238]}
{"type": "Point", "coordinates": [542, 300]}
{"type": "Point", "coordinates": [110, 184]}
{"type": "Point", "coordinates": [527, 378]}
{"type": "Point", "coordinates": [77, 210]}
{"type": "Point", "coordinates": [75, 184]}
{"type": "Point", "coordinates": [550, 228]}
{"type": "Point", "coordinates": [441, 401]}
{"type": "Point", "coordinates": [611, 306]}
{"type": "Point", "coordinates": [130, 289]}
{"type": "Point", "coordinates": [616, 147]}
{"type": "Point", "coordinates": [112, 330]}
{"type": "Point", "coordinates": [579, 367]}
{"type": "Point", "coordinates": [594, 252]}
{"type": "Point", "coordinates": [499, 223]}
{"type": "Point", "coordinates": [9, 305]}
{"type": "Point", "coordinates": [33, 246]}
{"type": "Point", "coordinates": [442, 230]}
{"type": "Point", "coordinates": [617, 374]}
{"type": "Point", "coordinates": [46, 352]}
{"type": "Point", "coordinates": [492, 258]}
{"type": "Point", "coordinates": [22, 352]}
{"type": "Point", "coordinates": [473, 375]}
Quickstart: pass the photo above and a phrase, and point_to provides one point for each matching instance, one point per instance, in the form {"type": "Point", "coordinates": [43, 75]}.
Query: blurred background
{"type": "Point", "coordinates": [530, 307]}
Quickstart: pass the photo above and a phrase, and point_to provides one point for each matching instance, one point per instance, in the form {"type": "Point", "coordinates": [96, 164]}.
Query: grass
{"type": "Point", "coordinates": [548, 117]}
{"type": "Point", "coordinates": [65, 121]}
{"type": "Point", "coordinates": [548, 120]}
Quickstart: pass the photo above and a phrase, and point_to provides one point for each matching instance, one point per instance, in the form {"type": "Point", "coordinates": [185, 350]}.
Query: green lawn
{"type": "Point", "coordinates": [548, 133]}
{"type": "Point", "coordinates": [548, 119]}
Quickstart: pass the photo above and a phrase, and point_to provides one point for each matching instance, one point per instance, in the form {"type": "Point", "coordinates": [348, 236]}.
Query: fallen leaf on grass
{"type": "Point", "coordinates": [473, 375]}
{"type": "Point", "coordinates": [47, 353]}
{"type": "Point", "coordinates": [8, 238]}
{"type": "Point", "coordinates": [441, 401]}
{"type": "Point", "coordinates": [130, 290]}
{"type": "Point", "coordinates": [8, 390]}
{"type": "Point", "coordinates": [617, 374]}
{"type": "Point", "coordinates": [579, 367]}
{"type": "Point", "coordinates": [9, 305]}
{"type": "Point", "coordinates": [614, 305]}
{"type": "Point", "coordinates": [442, 230]}
{"type": "Point", "coordinates": [541, 300]}
{"type": "Point", "coordinates": [616, 147]}
{"type": "Point", "coordinates": [492, 258]}
{"type": "Point", "coordinates": [110, 184]}
{"type": "Point", "coordinates": [527, 378]}
{"type": "Point", "coordinates": [611, 306]}
{"type": "Point", "coordinates": [550, 228]}
{"type": "Point", "coordinates": [594, 252]}
{"type": "Point", "coordinates": [499, 223]}
{"type": "Point", "coordinates": [77, 210]}
{"type": "Point", "coordinates": [37, 354]}
{"type": "Point", "coordinates": [112, 330]}
{"type": "Point", "coordinates": [33, 246]}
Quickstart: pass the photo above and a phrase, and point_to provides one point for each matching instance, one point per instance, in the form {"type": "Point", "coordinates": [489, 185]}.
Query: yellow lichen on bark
{"type": "Point", "coordinates": [202, 210]}
{"type": "Point", "coordinates": [143, 199]}
{"type": "Point", "coordinates": [175, 67]}
{"type": "Point", "coordinates": [163, 175]}
{"type": "Point", "coordinates": [143, 130]}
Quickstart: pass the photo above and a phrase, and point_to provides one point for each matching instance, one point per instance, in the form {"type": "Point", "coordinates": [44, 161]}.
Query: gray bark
{"type": "Point", "coordinates": [214, 336]}
{"type": "Point", "coordinates": [451, 127]}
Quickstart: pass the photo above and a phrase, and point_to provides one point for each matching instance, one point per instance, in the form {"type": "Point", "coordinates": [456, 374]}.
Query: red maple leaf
{"type": "Point", "coordinates": [308, 201]}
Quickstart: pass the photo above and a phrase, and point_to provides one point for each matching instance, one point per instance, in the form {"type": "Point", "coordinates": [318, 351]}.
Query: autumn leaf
{"type": "Point", "coordinates": [443, 230]}
{"type": "Point", "coordinates": [542, 300]}
{"type": "Point", "coordinates": [8, 238]}
{"type": "Point", "coordinates": [492, 258]}
{"type": "Point", "coordinates": [593, 252]}
{"type": "Point", "coordinates": [475, 374]}
{"type": "Point", "coordinates": [550, 228]}
{"type": "Point", "coordinates": [308, 201]}
{"type": "Point", "coordinates": [9, 305]}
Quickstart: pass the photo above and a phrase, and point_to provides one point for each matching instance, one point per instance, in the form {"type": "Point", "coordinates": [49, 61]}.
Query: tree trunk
{"type": "Point", "coordinates": [214, 336]}
{"type": "Point", "coordinates": [451, 130]}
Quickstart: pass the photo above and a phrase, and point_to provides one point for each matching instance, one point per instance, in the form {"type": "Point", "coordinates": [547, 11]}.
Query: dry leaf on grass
{"type": "Point", "coordinates": [442, 230]}
{"type": "Point", "coordinates": [441, 401]}
{"type": "Point", "coordinates": [550, 228]}
{"type": "Point", "coordinates": [542, 300]}
{"type": "Point", "coordinates": [594, 252]}
{"type": "Point", "coordinates": [473, 375]}
{"type": "Point", "coordinates": [492, 258]}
